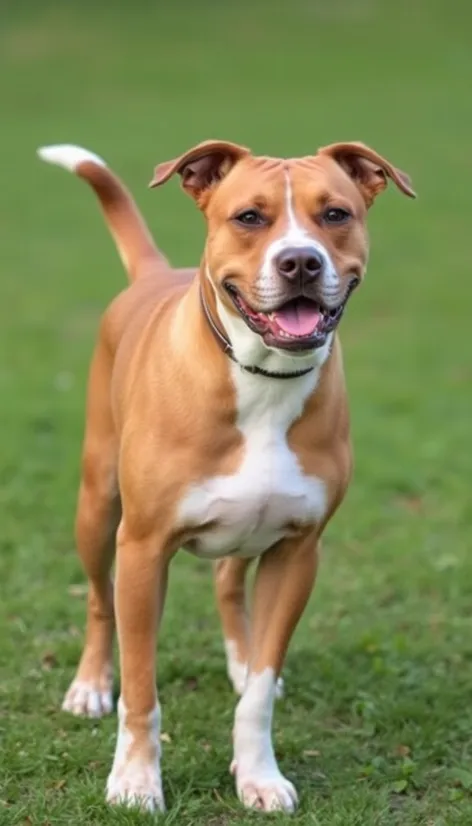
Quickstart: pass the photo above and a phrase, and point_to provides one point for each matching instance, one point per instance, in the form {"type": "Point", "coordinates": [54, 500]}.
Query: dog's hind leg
{"type": "Point", "coordinates": [98, 515]}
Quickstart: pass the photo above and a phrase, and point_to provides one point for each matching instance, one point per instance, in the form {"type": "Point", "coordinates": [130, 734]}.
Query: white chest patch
{"type": "Point", "coordinates": [269, 496]}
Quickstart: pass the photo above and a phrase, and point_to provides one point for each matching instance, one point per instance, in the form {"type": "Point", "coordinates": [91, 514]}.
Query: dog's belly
{"type": "Point", "coordinates": [246, 513]}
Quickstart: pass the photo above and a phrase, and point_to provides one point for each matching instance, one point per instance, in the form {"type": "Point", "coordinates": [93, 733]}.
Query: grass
{"type": "Point", "coordinates": [376, 726]}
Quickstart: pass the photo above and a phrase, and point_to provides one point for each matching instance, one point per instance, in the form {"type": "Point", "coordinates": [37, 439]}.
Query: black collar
{"type": "Point", "coordinates": [225, 345]}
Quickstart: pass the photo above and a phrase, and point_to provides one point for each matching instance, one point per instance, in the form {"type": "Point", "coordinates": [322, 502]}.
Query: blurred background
{"type": "Point", "coordinates": [390, 624]}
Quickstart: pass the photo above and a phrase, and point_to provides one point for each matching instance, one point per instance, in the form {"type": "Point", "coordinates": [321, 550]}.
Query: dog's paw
{"type": "Point", "coordinates": [88, 699]}
{"type": "Point", "coordinates": [136, 785]}
{"type": "Point", "coordinates": [266, 791]}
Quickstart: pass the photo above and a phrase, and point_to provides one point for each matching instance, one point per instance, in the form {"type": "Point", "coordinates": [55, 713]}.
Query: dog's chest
{"type": "Point", "coordinates": [268, 497]}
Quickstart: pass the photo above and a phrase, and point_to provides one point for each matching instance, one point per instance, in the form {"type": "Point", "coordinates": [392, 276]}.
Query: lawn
{"type": "Point", "coordinates": [376, 725]}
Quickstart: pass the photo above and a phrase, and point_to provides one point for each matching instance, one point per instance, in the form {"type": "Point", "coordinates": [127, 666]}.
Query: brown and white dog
{"type": "Point", "coordinates": [217, 421]}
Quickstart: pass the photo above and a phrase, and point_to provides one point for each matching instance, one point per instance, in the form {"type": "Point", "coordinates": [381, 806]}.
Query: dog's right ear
{"type": "Point", "coordinates": [201, 168]}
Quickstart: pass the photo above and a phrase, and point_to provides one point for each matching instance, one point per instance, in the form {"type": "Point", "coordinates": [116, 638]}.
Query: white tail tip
{"type": "Point", "coordinates": [68, 156]}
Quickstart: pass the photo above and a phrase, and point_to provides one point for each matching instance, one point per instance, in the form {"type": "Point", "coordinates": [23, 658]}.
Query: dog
{"type": "Point", "coordinates": [217, 422]}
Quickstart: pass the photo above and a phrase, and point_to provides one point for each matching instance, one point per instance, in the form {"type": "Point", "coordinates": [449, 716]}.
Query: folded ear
{"type": "Point", "coordinates": [201, 167]}
{"type": "Point", "coordinates": [369, 170]}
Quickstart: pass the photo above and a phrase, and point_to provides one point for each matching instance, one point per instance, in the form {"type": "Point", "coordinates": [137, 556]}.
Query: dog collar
{"type": "Point", "coordinates": [227, 348]}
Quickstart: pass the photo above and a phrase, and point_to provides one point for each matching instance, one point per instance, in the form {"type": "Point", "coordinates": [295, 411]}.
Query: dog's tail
{"type": "Point", "coordinates": [127, 226]}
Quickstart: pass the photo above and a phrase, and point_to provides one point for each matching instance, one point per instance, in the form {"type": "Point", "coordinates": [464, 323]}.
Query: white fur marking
{"type": "Point", "coordinates": [88, 699]}
{"type": "Point", "coordinates": [250, 509]}
{"type": "Point", "coordinates": [237, 671]}
{"type": "Point", "coordinates": [259, 782]}
{"type": "Point", "coordinates": [68, 156]}
{"type": "Point", "coordinates": [294, 236]}
{"type": "Point", "coordinates": [134, 782]}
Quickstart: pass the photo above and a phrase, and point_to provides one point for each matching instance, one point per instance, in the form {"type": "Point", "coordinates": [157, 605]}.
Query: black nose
{"type": "Point", "coordinates": [302, 262]}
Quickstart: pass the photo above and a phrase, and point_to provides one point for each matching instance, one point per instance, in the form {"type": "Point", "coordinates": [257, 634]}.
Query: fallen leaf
{"type": "Point", "coordinates": [402, 751]}
{"type": "Point", "coordinates": [48, 661]}
{"type": "Point", "coordinates": [165, 738]}
{"type": "Point", "coordinates": [311, 753]}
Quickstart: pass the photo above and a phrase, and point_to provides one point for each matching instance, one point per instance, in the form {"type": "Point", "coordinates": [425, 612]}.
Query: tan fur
{"type": "Point", "coordinates": [161, 413]}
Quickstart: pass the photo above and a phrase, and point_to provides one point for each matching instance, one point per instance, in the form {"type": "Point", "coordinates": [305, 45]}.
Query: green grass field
{"type": "Point", "coordinates": [377, 721]}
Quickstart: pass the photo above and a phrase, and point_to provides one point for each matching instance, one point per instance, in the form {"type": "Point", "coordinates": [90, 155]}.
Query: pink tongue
{"type": "Point", "coordinates": [298, 318]}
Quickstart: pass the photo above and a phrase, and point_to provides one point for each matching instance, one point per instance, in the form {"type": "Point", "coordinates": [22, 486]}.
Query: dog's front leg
{"type": "Point", "coordinates": [283, 585]}
{"type": "Point", "coordinates": [141, 581]}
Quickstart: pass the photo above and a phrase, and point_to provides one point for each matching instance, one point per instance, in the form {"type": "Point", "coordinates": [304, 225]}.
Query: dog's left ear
{"type": "Point", "coordinates": [201, 168]}
{"type": "Point", "coordinates": [369, 170]}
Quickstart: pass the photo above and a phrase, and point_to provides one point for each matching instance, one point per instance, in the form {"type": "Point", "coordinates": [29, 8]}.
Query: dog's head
{"type": "Point", "coordinates": [287, 239]}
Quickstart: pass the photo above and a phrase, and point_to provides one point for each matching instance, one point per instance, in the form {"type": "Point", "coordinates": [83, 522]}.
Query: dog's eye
{"type": "Point", "coordinates": [336, 215]}
{"type": "Point", "coordinates": [250, 218]}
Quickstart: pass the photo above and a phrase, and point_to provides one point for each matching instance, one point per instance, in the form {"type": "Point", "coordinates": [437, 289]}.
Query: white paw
{"type": "Point", "coordinates": [136, 785]}
{"type": "Point", "coordinates": [268, 791]}
{"type": "Point", "coordinates": [88, 699]}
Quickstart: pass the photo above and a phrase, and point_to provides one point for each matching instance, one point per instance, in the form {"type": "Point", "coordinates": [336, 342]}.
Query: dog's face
{"type": "Point", "coordinates": [287, 239]}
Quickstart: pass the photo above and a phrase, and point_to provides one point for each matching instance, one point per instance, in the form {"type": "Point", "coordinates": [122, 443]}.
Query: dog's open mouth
{"type": "Point", "coordinates": [299, 324]}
